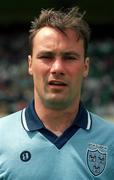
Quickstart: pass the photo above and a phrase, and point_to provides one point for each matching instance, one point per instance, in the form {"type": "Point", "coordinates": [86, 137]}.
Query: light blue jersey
{"type": "Point", "coordinates": [28, 151]}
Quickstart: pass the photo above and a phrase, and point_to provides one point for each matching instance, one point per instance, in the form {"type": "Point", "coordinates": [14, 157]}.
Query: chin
{"type": "Point", "coordinates": [57, 104]}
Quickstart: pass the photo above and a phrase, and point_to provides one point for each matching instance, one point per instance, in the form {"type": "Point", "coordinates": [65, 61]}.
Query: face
{"type": "Point", "coordinates": [58, 66]}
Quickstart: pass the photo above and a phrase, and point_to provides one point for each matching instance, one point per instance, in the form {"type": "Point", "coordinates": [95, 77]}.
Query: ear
{"type": "Point", "coordinates": [86, 67]}
{"type": "Point", "coordinates": [30, 64]}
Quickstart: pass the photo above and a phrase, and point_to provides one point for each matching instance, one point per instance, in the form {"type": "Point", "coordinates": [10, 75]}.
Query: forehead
{"type": "Point", "coordinates": [48, 36]}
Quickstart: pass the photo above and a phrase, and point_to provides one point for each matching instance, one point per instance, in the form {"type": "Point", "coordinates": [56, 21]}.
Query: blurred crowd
{"type": "Point", "coordinates": [98, 91]}
{"type": "Point", "coordinates": [15, 83]}
{"type": "Point", "coordinates": [16, 87]}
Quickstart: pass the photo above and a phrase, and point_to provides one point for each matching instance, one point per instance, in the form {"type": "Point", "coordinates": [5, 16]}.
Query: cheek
{"type": "Point", "coordinates": [77, 76]}
{"type": "Point", "coordinates": [77, 71]}
{"type": "Point", "coordinates": [39, 75]}
{"type": "Point", "coordinates": [36, 68]}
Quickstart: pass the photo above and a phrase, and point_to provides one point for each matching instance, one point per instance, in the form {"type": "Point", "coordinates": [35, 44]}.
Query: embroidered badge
{"type": "Point", "coordinates": [25, 156]}
{"type": "Point", "coordinates": [96, 158]}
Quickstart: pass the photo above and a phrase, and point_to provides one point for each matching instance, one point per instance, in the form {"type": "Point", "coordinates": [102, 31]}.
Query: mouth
{"type": "Point", "coordinates": [57, 84]}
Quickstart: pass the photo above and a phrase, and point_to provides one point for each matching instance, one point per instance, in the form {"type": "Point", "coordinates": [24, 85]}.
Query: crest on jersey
{"type": "Point", "coordinates": [96, 159]}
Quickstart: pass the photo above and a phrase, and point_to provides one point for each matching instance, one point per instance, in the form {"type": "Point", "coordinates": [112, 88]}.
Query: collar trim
{"type": "Point", "coordinates": [89, 121]}
{"type": "Point", "coordinates": [24, 120]}
{"type": "Point", "coordinates": [31, 121]}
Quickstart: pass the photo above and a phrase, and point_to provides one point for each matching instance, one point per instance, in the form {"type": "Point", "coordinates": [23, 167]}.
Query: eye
{"type": "Point", "coordinates": [45, 56]}
{"type": "Point", "coordinates": [70, 58]}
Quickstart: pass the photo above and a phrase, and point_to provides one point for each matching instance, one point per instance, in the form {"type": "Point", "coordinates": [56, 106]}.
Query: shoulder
{"type": "Point", "coordinates": [10, 119]}
{"type": "Point", "coordinates": [101, 123]}
{"type": "Point", "coordinates": [102, 133]}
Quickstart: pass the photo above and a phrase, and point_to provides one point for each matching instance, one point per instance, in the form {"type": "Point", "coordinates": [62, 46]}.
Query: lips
{"type": "Point", "coordinates": [57, 83]}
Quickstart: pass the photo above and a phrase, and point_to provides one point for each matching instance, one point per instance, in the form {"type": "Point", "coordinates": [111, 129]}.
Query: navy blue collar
{"type": "Point", "coordinates": [32, 122]}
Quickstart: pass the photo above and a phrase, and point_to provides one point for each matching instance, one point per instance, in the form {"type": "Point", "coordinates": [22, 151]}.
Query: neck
{"type": "Point", "coordinates": [56, 120]}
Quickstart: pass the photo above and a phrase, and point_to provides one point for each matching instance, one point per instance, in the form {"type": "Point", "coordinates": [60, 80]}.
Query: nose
{"type": "Point", "coordinates": [58, 67]}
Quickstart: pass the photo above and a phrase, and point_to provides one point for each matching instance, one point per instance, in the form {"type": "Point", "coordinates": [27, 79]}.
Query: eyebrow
{"type": "Point", "coordinates": [48, 53]}
{"type": "Point", "coordinates": [71, 53]}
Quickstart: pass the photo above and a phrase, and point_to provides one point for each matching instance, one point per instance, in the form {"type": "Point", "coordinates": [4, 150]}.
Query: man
{"type": "Point", "coordinates": [55, 137]}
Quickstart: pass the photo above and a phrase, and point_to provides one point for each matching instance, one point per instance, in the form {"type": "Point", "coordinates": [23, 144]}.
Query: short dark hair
{"type": "Point", "coordinates": [70, 18]}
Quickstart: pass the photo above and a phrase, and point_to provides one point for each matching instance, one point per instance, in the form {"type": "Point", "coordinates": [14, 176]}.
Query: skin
{"type": "Point", "coordinates": [58, 66]}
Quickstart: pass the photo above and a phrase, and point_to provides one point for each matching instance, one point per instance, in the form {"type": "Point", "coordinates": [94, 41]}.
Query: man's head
{"type": "Point", "coordinates": [62, 20]}
{"type": "Point", "coordinates": [58, 61]}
